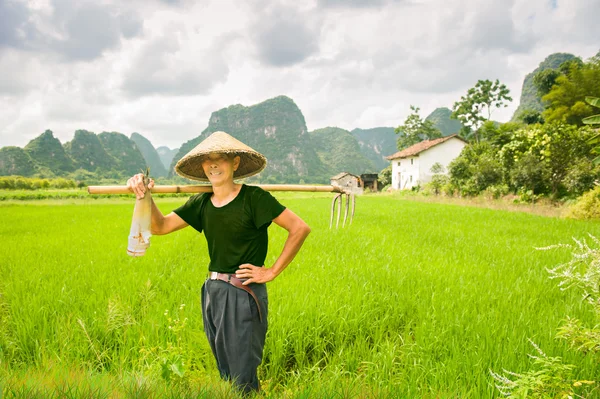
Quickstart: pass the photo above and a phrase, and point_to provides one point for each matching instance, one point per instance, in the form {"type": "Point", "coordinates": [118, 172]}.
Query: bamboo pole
{"type": "Point", "coordinates": [205, 188]}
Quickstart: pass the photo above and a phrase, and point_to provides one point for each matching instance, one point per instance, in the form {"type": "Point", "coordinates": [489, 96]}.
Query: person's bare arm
{"type": "Point", "coordinates": [160, 224]}
{"type": "Point", "coordinates": [298, 230]}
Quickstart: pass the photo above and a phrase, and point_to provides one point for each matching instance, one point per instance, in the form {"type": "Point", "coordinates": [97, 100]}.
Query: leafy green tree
{"type": "Point", "coordinates": [566, 100]}
{"type": "Point", "coordinates": [530, 174]}
{"type": "Point", "coordinates": [414, 130]}
{"type": "Point", "coordinates": [544, 80]}
{"type": "Point", "coordinates": [385, 176]}
{"type": "Point", "coordinates": [477, 106]}
{"type": "Point", "coordinates": [530, 117]}
{"type": "Point", "coordinates": [498, 134]}
{"type": "Point", "coordinates": [438, 178]}
{"type": "Point", "coordinates": [476, 168]}
{"type": "Point", "coordinates": [555, 145]}
{"type": "Point", "coordinates": [594, 120]}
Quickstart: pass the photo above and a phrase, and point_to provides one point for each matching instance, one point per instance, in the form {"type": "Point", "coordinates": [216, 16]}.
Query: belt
{"type": "Point", "coordinates": [236, 282]}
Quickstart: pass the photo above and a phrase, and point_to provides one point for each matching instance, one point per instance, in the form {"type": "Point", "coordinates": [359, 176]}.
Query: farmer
{"type": "Point", "coordinates": [235, 219]}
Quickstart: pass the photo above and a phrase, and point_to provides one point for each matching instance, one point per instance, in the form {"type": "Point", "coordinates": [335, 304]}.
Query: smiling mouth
{"type": "Point", "coordinates": [215, 173]}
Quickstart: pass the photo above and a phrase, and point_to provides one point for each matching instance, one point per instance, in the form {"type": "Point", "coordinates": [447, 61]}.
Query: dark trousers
{"type": "Point", "coordinates": [234, 330]}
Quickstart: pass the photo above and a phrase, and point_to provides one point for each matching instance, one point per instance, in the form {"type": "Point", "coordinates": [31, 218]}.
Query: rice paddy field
{"type": "Point", "coordinates": [413, 300]}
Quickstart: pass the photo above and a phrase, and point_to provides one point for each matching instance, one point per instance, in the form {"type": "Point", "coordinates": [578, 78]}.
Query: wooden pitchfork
{"type": "Point", "coordinates": [340, 194]}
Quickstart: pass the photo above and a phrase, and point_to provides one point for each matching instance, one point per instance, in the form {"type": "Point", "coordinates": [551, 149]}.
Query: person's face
{"type": "Point", "coordinates": [219, 167]}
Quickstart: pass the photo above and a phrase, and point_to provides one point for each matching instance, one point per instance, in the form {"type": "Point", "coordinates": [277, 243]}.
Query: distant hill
{"type": "Point", "coordinates": [442, 121]}
{"type": "Point", "coordinates": [529, 97]}
{"type": "Point", "coordinates": [46, 151]}
{"type": "Point", "coordinates": [15, 161]}
{"type": "Point", "coordinates": [376, 144]}
{"type": "Point", "coordinates": [166, 156]}
{"type": "Point", "coordinates": [277, 129]}
{"type": "Point", "coordinates": [129, 159]}
{"type": "Point", "coordinates": [152, 157]}
{"type": "Point", "coordinates": [339, 151]}
{"type": "Point", "coordinates": [87, 152]}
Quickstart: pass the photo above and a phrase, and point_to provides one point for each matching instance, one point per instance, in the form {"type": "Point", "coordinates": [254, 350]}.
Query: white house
{"type": "Point", "coordinates": [412, 166]}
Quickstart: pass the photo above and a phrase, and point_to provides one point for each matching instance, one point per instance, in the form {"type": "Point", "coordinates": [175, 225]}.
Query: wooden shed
{"type": "Point", "coordinates": [369, 180]}
{"type": "Point", "coordinates": [346, 180]}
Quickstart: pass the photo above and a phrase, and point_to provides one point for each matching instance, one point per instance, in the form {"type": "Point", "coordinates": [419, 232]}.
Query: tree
{"type": "Point", "coordinates": [438, 178]}
{"type": "Point", "coordinates": [594, 120]}
{"type": "Point", "coordinates": [415, 130]}
{"type": "Point", "coordinates": [555, 146]}
{"type": "Point", "coordinates": [566, 100]}
{"type": "Point", "coordinates": [477, 106]}
{"type": "Point", "coordinates": [530, 117]}
{"type": "Point", "coordinates": [475, 169]}
{"type": "Point", "coordinates": [385, 176]}
{"type": "Point", "coordinates": [544, 80]}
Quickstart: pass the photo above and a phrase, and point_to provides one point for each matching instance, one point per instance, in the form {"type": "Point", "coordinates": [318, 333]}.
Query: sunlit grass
{"type": "Point", "coordinates": [414, 299]}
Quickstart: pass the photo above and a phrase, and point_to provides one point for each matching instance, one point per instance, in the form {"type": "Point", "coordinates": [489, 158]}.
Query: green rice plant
{"type": "Point", "coordinates": [554, 378]}
{"type": "Point", "coordinates": [412, 300]}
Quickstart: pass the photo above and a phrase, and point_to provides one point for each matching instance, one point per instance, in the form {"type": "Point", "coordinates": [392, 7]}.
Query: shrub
{"type": "Point", "coordinates": [587, 207]}
{"type": "Point", "coordinates": [496, 191]}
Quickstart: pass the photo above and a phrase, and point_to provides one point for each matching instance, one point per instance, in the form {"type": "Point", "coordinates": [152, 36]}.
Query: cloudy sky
{"type": "Point", "coordinates": [160, 67]}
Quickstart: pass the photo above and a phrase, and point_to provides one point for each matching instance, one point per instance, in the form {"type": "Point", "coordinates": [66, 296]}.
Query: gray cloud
{"type": "Point", "coordinates": [286, 37]}
{"type": "Point", "coordinates": [83, 31]}
{"type": "Point", "coordinates": [15, 28]}
{"type": "Point", "coordinates": [354, 3]}
{"type": "Point", "coordinates": [162, 68]}
{"type": "Point", "coordinates": [492, 27]}
{"type": "Point", "coordinates": [91, 29]}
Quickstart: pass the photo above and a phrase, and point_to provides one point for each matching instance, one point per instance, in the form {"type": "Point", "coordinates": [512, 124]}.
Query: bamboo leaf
{"type": "Point", "coordinates": [592, 120]}
{"type": "Point", "coordinates": [594, 140]}
{"type": "Point", "coordinates": [594, 101]}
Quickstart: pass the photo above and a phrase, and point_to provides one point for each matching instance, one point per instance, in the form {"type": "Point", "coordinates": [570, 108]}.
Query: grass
{"type": "Point", "coordinates": [413, 300]}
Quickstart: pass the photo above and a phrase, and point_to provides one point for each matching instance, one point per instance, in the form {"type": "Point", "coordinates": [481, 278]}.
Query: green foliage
{"type": "Point", "coordinates": [544, 80]}
{"type": "Point", "coordinates": [376, 144]}
{"type": "Point", "coordinates": [277, 129]}
{"type": "Point", "coordinates": [150, 155]}
{"type": "Point", "coordinates": [530, 99]}
{"type": "Point", "coordinates": [497, 134]}
{"type": "Point", "coordinates": [438, 178]}
{"type": "Point", "coordinates": [556, 147]}
{"type": "Point", "coordinates": [551, 379]}
{"type": "Point", "coordinates": [24, 183]}
{"type": "Point", "coordinates": [47, 152]}
{"type": "Point", "coordinates": [414, 130]}
{"type": "Point", "coordinates": [580, 176]}
{"type": "Point", "coordinates": [129, 159]}
{"type": "Point", "coordinates": [477, 105]}
{"type": "Point", "coordinates": [453, 298]}
{"type": "Point", "coordinates": [586, 207]}
{"type": "Point", "coordinates": [339, 151]}
{"type": "Point", "coordinates": [475, 169]}
{"type": "Point", "coordinates": [87, 152]}
{"type": "Point", "coordinates": [441, 119]}
{"type": "Point", "coordinates": [530, 117]}
{"type": "Point", "coordinates": [385, 176]}
{"type": "Point", "coordinates": [567, 98]}
{"type": "Point", "coordinates": [530, 176]}
{"type": "Point", "coordinates": [15, 161]}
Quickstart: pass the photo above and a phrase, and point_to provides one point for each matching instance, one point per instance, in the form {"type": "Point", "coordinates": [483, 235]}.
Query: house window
{"type": "Point", "coordinates": [398, 163]}
{"type": "Point", "coordinates": [411, 178]}
{"type": "Point", "coordinates": [411, 161]}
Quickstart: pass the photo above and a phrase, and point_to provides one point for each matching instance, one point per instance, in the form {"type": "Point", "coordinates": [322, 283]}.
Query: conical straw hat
{"type": "Point", "coordinates": [251, 161]}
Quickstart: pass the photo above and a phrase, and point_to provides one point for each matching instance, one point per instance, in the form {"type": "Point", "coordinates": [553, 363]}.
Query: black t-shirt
{"type": "Point", "coordinates": [236, 233]}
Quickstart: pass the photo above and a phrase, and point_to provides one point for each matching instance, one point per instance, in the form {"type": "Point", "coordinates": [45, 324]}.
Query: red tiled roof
{"type": "Point", "coordinates": [420, 147]}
